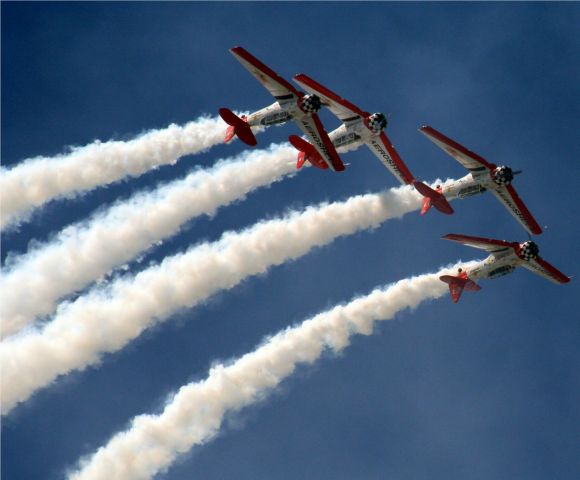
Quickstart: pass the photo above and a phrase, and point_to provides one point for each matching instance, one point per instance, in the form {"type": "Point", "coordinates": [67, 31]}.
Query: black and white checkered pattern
{"type": "Point", "coordinates": [529, 251]}
{"type": "Point", "coordinates": [377, 122]}
{"type": "Point", "coordinates": [503, 175]}
{"type": "Point", "coordinates": [310, 104]}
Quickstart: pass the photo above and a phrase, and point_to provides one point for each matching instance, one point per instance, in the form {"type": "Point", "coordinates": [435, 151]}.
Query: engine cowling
{"type": "Point", "coordinates": [309, 103]}
{"type": "Point", "coordinates": [376, 122]}
{"type": "Point", "coordinates": [502, 175]}
{"type": "Point", "coordinates": [528, 250]}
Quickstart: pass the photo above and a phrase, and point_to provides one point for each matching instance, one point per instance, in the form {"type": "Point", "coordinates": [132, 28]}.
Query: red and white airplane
{"type": "Point", "coordinates": [483, 176]}
{"type": "Point", "coordinates": [290, 104]}
{"type": "Point", "coordinates": [357, 127]}
{"type": "Point", "coordinates": [504, 258]}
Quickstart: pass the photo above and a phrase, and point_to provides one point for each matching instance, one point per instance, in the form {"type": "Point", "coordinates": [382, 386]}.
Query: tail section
{"type": "Point", "coordinates": [306, 152]}
{"type": "Point", "coordinates": [237, 126]}
{"type": "Point", "coordinates": [458, 284]}
{"type": "Point", "coordinates": [433, 198]}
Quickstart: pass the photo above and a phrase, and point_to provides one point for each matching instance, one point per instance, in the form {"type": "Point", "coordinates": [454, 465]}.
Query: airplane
{"type": "Point", "coordinates": [290, 104]}
{"type": "Point", "coordinates": [483, 176]}
{"type": "Point", "coordinates": [504, 258]}
{"type": "Point", "coordinates": [357, 127]}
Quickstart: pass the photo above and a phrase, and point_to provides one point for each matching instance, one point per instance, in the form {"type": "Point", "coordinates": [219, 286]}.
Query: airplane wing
{"type": "Point", "coordinates": [470, 160]}
{"type": "Point", "coordinates": [382, 147]}
{"type": "Point", "coordinates": [510, 199]}
{"type": "Point", "coordinates": [313, 129]}
{"type": "Point", "coordinates": [489, 244]}
{"type": "Point", "coordinates": [546, 270]}
{"type": "Point", "coordinates": [343, 109]}
{"type": "Point", "coordinates": [276, 85]}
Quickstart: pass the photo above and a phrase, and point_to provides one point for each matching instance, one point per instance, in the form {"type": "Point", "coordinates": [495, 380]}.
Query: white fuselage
{"type": "Point", "coordinates": [496, 265]}
{"type": "Point", "coordinates": [471, 184]}
{"type": "Point", "coordinates": [350, 135]}
{"type": "Point", "coordinates": [279, 112]}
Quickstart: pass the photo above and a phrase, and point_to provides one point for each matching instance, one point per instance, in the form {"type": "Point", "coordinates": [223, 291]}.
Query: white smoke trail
{"type": "Point", "coordinates": [106, 319]}
{"type": "Point", "coordinates": [38, 180]}
{"type": "Point", "coordinates": [195, 413]}
{"type": "Point", "coordinates": [82, 253]}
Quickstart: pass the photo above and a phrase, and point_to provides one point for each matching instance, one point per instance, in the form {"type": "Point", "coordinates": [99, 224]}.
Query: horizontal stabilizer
{"type": "Point", "coordinates": [238, 126]}
{"type": "Point", "coordinates": [306, 152]}
{"type": "Point", "coordinates": [457, 284]}
{"type": "Point", "coordinates": [432, 198]}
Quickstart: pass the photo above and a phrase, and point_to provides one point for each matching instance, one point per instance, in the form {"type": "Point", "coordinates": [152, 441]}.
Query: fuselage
{"type": "Point", "coordinates": [281, 111]}
{"type": "Point", "coordinates": [494, 266]}
{"type": "Point", "coordinates": [471, 184]}
{"type": "Point", "coordinates": [478, 181]}
{"type": "Point", "coordinates": [351, 135]}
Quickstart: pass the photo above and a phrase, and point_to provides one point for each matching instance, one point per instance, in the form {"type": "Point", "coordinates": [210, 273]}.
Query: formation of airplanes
{"type": "Point", "coordinates": [359, 127]}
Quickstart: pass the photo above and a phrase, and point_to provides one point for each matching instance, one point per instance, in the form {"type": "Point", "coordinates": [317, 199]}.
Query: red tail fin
{"type": "Point", "coordinates": [300, 161]}
{"type": "Point", "coordinates": [237, 126]}
{"type": "Point", "coordinates": [457, 284]}
{"type": "Point", "coordinates": [432, 198]}
{"type": "Point", "coordinates": [306, 152]}
{"type": "Point", "coordinates": [426, 205]}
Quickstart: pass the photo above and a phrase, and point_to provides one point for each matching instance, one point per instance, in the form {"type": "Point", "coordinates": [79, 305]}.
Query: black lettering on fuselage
{"type": "Point", "coordinates": [346, 139]}
{"type": "Point", "coordinates": [501, 271]}
{"type": "Point", "coordinates": [277, 117]}
{"type": "Point", "coordinates": [471, 190]}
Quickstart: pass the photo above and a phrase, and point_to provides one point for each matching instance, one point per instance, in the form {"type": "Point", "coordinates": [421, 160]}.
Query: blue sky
{"type": "Point", "coordinates": [486, 388]}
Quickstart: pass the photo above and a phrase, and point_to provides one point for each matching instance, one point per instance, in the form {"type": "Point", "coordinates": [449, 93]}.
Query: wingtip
{"type": "Point", "coordinates": [448, 211]}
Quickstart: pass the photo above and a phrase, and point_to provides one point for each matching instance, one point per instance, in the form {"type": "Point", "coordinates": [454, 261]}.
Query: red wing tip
{"type": "Point", "coordinates": [563, 278]}
{"type": "Point", "coordinates": [450, 236]}
{"type": "Point", "coordinates": [446, 209]}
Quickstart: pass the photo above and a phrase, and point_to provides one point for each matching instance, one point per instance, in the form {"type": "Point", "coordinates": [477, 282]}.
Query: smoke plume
{"type": "Point", "coordinates": [82, 253]}
{"type": "Point", "coordinates": [106, 319]}
{"type": "Point", "coordinates": [36, 181]}
{"type": "Point", "coordinates": [195, 413]}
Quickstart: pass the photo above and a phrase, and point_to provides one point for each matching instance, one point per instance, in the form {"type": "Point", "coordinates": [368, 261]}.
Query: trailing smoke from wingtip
{"type": "Point", "coordinates": [85, 252]}
{"type": "Point", "coordinates": [126, 307]}
{"type": "Point", "coordinates": [36, 181]}
{"type": "Point", "coordinates": [196, 412]}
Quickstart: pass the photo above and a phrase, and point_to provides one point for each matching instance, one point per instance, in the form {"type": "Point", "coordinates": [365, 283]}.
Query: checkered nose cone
{"type": "Point", "coordinates": [310, 104]}
{"type": "Point", "coordinates": [529, 250]}
{"type": "Point", "coordinates": [377, 122]}
{"type": "Point", "coordinates": [503, 175]}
